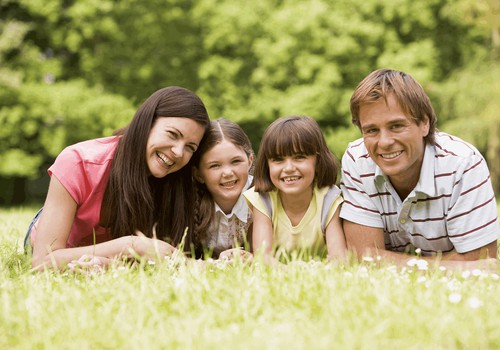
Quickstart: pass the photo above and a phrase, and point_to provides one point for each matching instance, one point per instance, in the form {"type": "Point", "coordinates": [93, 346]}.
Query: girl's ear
{"type": "Point", "coordinates": [197, 176]}
{"type": "Point", "coordinates": [250, 160]}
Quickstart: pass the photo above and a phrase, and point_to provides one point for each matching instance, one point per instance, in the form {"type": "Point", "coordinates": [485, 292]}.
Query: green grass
{"type": "Point", "coordinates": [181, 305]}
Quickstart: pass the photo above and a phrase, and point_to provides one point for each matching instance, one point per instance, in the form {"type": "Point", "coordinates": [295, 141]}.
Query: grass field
{"type": "Point", "coordinates": [175, 304]}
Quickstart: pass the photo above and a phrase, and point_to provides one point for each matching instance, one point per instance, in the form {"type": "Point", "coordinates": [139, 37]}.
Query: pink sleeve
{"type": "Point", "coordinates": [69, 169]}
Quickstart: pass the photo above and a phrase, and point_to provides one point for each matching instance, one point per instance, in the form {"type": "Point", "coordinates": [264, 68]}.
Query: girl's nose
{"type": "Point", "coordinates": [227, 171]}
{"type": "Point", "coordinates": [289, 165]}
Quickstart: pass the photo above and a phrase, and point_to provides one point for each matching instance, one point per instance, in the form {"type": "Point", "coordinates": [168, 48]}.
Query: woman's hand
{"type": "Point", "coordinates": [142, 246]}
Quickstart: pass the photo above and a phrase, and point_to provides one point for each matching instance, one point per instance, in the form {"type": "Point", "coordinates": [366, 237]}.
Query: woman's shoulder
{"type": "Point", "coordinates": [98, 150]}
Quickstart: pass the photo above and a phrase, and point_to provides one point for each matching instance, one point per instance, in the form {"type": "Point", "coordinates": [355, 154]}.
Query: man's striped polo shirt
{"type": "Point", "coordinates": [452, 207]}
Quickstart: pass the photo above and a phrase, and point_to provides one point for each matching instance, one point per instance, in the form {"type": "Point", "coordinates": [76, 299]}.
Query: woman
{"type": "Point", "coordinates": [115, 196]}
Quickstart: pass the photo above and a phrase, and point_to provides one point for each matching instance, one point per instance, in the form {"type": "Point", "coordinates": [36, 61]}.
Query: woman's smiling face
{"type": "Point", "coordinates": [171, 144]}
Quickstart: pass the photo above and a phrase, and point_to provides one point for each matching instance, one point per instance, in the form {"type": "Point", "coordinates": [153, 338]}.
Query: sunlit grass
{"type": "Point", "coordinates": [174, 304]}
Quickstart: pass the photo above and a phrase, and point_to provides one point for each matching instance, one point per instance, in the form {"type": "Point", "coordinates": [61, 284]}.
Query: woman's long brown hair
{"type": "Point", "coordinates": [133, 199]}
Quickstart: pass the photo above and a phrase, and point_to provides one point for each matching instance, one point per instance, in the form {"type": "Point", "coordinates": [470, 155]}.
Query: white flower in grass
{"type": "Point", "coordinates": [412, 262]}
{"type": "Point", "coordinates": [367, 258]}
{"type": "Point", "coordinates": [421, 279]}
{"type": "Point", "coordinates": [422, 264]}
{"type": "Point", "coordinates": [475, 302]}
{"type": "Point", "coordinates": [347, 274]}
{"type": "Point", "coordinates": [418, 251]}
{"type": "Point", "coordinates": [151, 262]}
{"type": "Point", "coordinates": [494, 276]}
{"type": "Point", "coordinates": [455, 298]}
{"type": "Point", "coordinates": [179, 282]}
{"type": "Point", "coordinates": [466, 274]}
{"type": "Point", "coordinates": [379, 258]}
{"type": "Point", "coordinates": [442, 268]}
{"type": "Point", "coordinates": [476, 273]}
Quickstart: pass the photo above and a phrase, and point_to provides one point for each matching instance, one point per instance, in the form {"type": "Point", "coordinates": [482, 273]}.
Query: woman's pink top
{"type": "Point", "coordinates": [83, 169]}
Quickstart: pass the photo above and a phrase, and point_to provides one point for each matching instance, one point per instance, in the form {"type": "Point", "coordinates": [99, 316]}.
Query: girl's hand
{"type": "Point", "coordinates": [236, 254]}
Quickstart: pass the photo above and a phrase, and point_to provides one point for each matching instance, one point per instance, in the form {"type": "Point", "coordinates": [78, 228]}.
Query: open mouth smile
{"type": "Point", "coordinates": [290, 179]}
{"type": "Point", "coordinates": [163, 158]}
{"type": "Point", "coordinates": [229, 184]}
{"type": "Point", "coordinates": [391, 155]}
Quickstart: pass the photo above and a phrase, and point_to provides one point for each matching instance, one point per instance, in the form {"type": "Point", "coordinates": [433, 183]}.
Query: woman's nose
{"type": "Point", "coordinates": [178, 150]}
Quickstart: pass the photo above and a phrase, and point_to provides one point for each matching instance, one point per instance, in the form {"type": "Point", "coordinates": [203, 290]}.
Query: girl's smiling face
{"type": "Point", "coordinates": [293, 175]}
{"type": "Point", "coordinates": [224, 170]}
{"type": "Point", "coordinates": [171, 144]}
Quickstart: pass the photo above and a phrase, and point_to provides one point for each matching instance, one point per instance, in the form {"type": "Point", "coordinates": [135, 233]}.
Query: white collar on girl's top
{"type": "Point", "coordinates": [240, 209]}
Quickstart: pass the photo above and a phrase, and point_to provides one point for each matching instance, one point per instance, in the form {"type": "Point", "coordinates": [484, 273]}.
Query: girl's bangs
{"type": "Point", "coordinates": [288, 143]}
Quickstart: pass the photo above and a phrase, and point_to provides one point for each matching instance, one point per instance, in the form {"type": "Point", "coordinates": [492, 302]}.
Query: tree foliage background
{"type": "Point", "coordinates": [72, 70]}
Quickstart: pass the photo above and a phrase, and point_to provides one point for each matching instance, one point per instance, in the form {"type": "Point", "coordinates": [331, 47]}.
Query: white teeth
{"type": "Point", "coordinates": [230, 183]}
{"type": "Point", "coordinates": [391, 155]}
{"type": "Point", "coordinates": [164, 159]}
{"type": "Point", "coordinates": [290, 179]}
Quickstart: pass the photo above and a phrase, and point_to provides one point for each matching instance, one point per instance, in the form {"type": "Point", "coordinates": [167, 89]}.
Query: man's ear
{"type": "Point", "coordinates": [197, 176]}
{"type": "Point", "coordinates": [426, 125]}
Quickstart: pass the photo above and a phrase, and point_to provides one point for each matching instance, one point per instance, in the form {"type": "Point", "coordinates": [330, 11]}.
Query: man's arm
{"type": "Point", "coordinates": [369, 241]}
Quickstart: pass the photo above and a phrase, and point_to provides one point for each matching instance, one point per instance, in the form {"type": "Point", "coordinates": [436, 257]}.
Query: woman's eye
{"type": "Point", "coordinates": [213, 166]}
{"type": "Point", "coordinates": [172, 134]}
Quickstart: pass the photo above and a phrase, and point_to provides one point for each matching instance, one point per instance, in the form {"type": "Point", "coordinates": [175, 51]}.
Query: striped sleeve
{"type": "Point", "coordinates": [358, 207]}
{"type": "Point", "coordinates": [472, 218]}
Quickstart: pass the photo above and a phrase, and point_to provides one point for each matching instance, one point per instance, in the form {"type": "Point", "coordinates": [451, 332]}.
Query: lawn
{"type": "Point", "coordinates": [177, 304]}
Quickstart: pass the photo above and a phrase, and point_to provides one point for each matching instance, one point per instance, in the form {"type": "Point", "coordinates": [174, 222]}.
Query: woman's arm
{"type": "Point", "coordinates": [262, 235]}
{"type": "Point", "coordinates": [49, 247]}
{"type": "Point", "coordinates": [335, 239]}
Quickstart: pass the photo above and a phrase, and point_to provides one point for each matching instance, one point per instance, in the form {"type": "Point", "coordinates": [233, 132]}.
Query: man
{"type": "Point", "coordinates": [410, 188]}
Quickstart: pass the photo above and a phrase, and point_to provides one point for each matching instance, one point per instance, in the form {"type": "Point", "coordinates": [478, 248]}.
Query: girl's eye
{"type": "Point", "coordinates": [236, 161]}
{"type": "Point", "coordinates": [213, 166]}
{"type": "Point", "coordinates": [300, 156]}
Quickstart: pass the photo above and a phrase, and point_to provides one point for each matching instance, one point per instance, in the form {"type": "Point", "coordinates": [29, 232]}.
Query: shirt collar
{"type": "Point", "coordinates": [240, 209]}
{"type": "Point", "coordinates": [426, 181]}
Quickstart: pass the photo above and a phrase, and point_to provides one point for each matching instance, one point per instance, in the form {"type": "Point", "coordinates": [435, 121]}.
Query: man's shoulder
{"type": "Point", "coordinates": [448, 147]}
{"type": "Point", "coordinates": [356, 151]}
